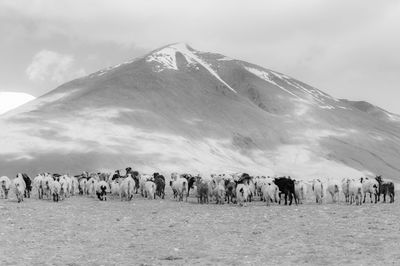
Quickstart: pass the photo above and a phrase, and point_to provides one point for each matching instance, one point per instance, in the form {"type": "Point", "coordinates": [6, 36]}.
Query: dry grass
{"type": "Point", "coordinates": [85, 231]}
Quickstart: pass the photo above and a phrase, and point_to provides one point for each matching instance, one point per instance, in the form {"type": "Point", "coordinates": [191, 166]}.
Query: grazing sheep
{"type": "Point", "coordinates": [333, 189]}
{"type": "Point", "coordinates": [220, 192]}
{"type": "Point", "coordinates": [180, 187]}
{"type": "Point", "coordinates": [286, 187]}
{"type": "Point", "coordinates": [386, 187]}
{"type": "Point", "coordinates": [101, 190]}
{"type": "Point", "coordinates": [371, 186]}
{"type": "Point", "coordinates": [202, 190]}
{"type": "Point", "coordinates": [150, 189]}
{"type": "Point", "coordinates": [355, 191]}
{"type": "Point", "coordinates": [300, 189]}
{"type": "Point", "coordinates": [5, 184]}
{"type": "Point", "coordinates": [127, 188]}
{"type": "Point", "coordinates": [230, 190]}
{"type": "Point", "coordinates": [242, 193]}
{"type": "Point", "coordinates": [63, 188]}
{"type": "Point", "coordinates": [46, 185]}
{"type": "Point", "coordinates": [270, 192]}
{"type": "Point", "coordinates": [345, 189]}
{"type": "Point", "coordinates": [74, 186]}
{"type": "Point", "coordinates": [38, 185]}
{"type": "Point", "coordinates": [55, 189]}
{"type": "Point", "coordinates": [91, 186]}
{"type": "Point", "coordinates": [318, 189]}
{"type": "Point", "coordinates": [83, 186]}
{"type": "Point", "coordinates": [143, 178]}
{"type": "Point", "coordinates": [160, 185]}
{"type": "Point", "coordinates": [115, 187]}
{"type": "Point", "coordinates": [252, 189]}
{"type": "Point", "coordinates": [20, 187]}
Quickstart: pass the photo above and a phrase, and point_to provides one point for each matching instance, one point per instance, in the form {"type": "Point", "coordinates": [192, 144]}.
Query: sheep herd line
{"type": "Point", "coordinates": [237, 188]}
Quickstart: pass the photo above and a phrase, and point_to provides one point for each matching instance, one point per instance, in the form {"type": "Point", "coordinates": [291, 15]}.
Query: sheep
{"type": "Point", "coordinates": [333, 189]}
{"type": "Point", "coordinates": [63, 188]}
{"type": "Point", "coordinates": [355, 191]}
{"type": "Point", "coordinates": [242, 193]}
{"type": "Point", "coordinates": [46, 185]}
{"type": "Point", "coordinates": [230, 190]}
{"type": "Point", "coordinates": [5, 184]}
{"type": "Point", "coordinates": [300, 189]}
{"type": "Point", "coordinates": [218, 189]}
{"type": "Point", "coordinates": [318, 189]}
{"type": "Point", "coordinates": [160, 185]}
{"type": "Point", "coordinates": [74, 186]}
{"type": "Point", "coordinates": [345, 188]}
{"type": "Point", "coordinates": [55, 188]}
{"type": "Point", "coordinates": [220, 192]}
{"type": "Point", "coordinates": [371, 186]}
{"type": "Point", "coordinates": [19, 186]}
{"type": "Point", "coordinates": [150, 190]}
{"type": "Point", "coordinates": [83, 186]}
{"type": "Point", "coordinates": [143, 178]}
{"type": "Point", "coordinates": [91, 186]}
{"type": "Point", "coordinates": [127, 188]}
{"type": "Point", "coordinates": [115, 187]}
{"type": "Point", "coordinates": [180, 187]}
{"type": "Point", "coordinates": [202, 190]}
{"type": "Point", "coordinates": [38, 185]}
{"type": "Point", "coordinates": [101, 190]}
{"type": "Point", "coordinates": [270, 192]}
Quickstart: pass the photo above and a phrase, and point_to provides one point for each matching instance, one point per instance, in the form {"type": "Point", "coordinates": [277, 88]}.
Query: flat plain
{"type": "Point", "coordinates": [82, 230]}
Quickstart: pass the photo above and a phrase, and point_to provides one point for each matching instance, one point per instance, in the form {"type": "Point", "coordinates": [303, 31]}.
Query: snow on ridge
{"type": "Point", "coordinates": [266, 76]}
{"type": "Point", "coordinates": [225, 58]}
{"type": "Point", "coordinates": [393, 117]}
{"type": "Point", "coordinates": [166, 59]}
{"type": "Point", "coordinates": [108, 69]}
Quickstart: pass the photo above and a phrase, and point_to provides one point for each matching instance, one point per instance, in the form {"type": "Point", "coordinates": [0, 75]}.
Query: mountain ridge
{"type": "Point", "coordinates": [180, 109]}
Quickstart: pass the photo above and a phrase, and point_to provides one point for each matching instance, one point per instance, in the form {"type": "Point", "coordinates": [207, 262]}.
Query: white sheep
{"type": "Point", "coordinates": [5, 185]}
{"type": "Point", "coordinates": [19, 187]}
{"type": "Point", "coordinates": [55, 188]}
{"type": "Point", "coordinates": [126, 188]}
{"type": "Point", "coordinates": [150, 190]}
{"type": "Point", "coordinates": [242, 193]}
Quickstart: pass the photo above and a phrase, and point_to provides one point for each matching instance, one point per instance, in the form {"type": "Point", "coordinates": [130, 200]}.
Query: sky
{"type": "Point", "coordinates": [347, 48]}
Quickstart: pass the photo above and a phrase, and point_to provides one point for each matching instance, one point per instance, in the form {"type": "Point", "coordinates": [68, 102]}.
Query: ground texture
{"type": "Point", "coordinates": [84, 231]}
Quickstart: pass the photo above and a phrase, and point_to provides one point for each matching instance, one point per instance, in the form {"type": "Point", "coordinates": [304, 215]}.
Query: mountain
{"type": "Point", "coordinates": [11, 100]}
{"type": "Point", "coordinates": [178, 109]}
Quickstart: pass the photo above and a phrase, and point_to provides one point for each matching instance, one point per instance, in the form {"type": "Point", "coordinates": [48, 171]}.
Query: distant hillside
{"type": "Point", "coordinates": [178, 109]}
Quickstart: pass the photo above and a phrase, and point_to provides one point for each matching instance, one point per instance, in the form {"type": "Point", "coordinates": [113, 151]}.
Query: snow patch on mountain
{"type": "Point", "coordinates": [11, 100]}
{"type": "Point", "coordinates": [266, 76]}
{"type": "Point", "coordinates": [166, 59]}
{"type": "Point", "coordinates": [41, 101]}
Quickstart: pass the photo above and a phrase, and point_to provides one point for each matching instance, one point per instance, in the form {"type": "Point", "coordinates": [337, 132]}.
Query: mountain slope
{"type": "Point", "coordinates": [178, 109]}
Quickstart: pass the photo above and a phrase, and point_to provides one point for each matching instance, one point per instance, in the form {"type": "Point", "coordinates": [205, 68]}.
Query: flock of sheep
{"type": "Point", "coordinates": [237, 188]}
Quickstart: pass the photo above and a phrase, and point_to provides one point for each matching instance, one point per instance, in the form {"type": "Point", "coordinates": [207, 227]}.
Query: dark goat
{"type": "Point", "coordinates": [230, 191]}
{"type": "Point", "coordinates": [385, 188]}
{"type": "Point", "coordinates": [202, 191]}
{"type": "Point", "coordinates": [286, 187]}
{"type": "Point", "coordinates": [28, 183]}
{"type": "Point", "coordinates": [159, 180]}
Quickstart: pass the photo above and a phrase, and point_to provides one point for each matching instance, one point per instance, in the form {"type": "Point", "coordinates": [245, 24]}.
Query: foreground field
{"type": "Point", "coordinates": [85, 231]}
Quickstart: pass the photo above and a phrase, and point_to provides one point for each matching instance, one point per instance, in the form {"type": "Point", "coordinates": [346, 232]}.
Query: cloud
{"type": "Point", "coordinates": [53, 66]}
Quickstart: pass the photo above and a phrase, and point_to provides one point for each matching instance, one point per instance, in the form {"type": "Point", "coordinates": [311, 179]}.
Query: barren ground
{"type": "Point", "coordinates": [85, 231]}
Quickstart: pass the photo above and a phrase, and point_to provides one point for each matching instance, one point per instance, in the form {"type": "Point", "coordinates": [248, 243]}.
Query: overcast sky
{"type": "Point", "coordinates": [348, 48]}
